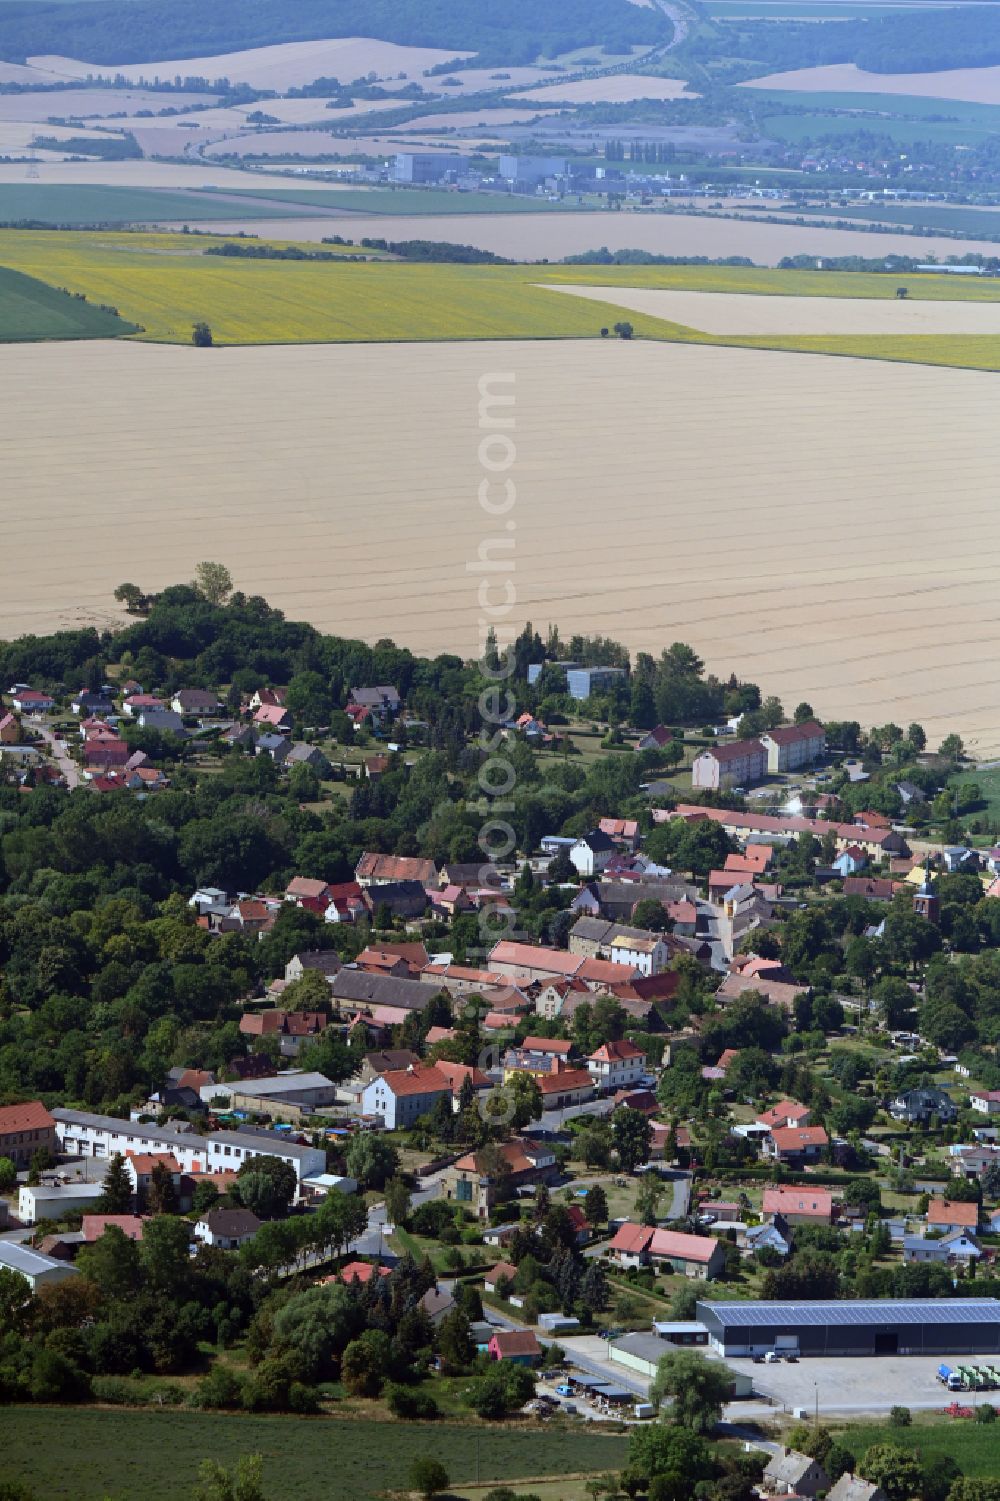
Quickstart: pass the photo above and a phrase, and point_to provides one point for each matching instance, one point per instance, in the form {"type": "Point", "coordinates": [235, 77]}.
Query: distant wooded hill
{"type": "Point", "coordinates": [517, 31]}
{"type": "Point", "coordinates": [910, 42]}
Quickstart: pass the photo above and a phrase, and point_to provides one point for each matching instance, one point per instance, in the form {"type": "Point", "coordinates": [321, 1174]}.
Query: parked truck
{"type": "Point", "coordinates": [949, 1378]}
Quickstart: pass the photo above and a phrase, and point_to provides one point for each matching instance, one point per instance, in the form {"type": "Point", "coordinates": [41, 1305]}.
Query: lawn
{"type": "Point", "coordinates": [166, 283]}
{"type": "Point", "coordinates": [988, 782]}
{"type": "Point", "coordinates": [974, 1446]}
{"type": "Point", "coordinates": [31, 310]}
{"type": "Point", "coordinates": [72, 1454]}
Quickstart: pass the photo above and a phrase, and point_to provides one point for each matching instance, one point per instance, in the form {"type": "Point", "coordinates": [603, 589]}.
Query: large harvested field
{"type": "Point", "coordinates": [800, 518]}
{"type": "Point", "coordinates": [530, 237]}
{"type": "Point", "coordinates": [287, 65]}
{"type": "Point", "coordinates": [976, 85]}
{"type": "Point", "coordinates": [735, 314]}
{"type": "Point", "coordinates": [86, 1455]}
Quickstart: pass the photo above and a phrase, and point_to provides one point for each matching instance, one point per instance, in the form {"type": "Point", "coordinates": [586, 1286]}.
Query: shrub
{"type": "Point", "coordinates": [428, 1476]}
{"type": "Point", "coordinates": [899, 1417]}
{"type": "Point", "coordinates": [413, 1404]}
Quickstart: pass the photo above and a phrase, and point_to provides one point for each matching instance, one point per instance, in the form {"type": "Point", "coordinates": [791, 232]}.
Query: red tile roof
{"type": "Point", "coordinates": [558, 1045]}
{"type": "Point", "coordinates": [418, 1080]}
{"type": "Point", "coordinates": [31, 1116]}
{"type": "Point", "coordinates": [632, 1239]}
{"type": "Point", "coordinates": [568, 1079]}
{"type": "Point", "coordinates": [948, 1212]}
{"type": "Point", "coordinates": [785, 1110]}
{"type": "Point", "coordinates": [797, 1138]}
{"type": "Point", "coordinates": [618, 1051]}
{"type": "Point", "coordinates": [508, 1342]}
{"type": "Point", "coordinates": [94, 1225]}
{"type": "Point", "coordinates": [817, 1203]}
{"type": "Point", "coordinates": [673, 1243]}
{"type": "Point", "coordinates": [791, 734]}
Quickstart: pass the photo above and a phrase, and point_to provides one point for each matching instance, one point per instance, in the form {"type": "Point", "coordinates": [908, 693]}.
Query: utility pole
{"type": "Point", "coordinates": [816, 1390]}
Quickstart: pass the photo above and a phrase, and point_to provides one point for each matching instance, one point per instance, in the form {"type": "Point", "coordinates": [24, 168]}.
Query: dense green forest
{"type": "Point", "coordinates": [518, 31]}
{"type": "Point", "coordinates": [910, 42]}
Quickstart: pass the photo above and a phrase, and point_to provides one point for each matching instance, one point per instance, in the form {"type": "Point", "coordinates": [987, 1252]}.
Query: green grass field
{"type": "Point", "coordinates": [765, 10]}
{"type": "Point", "coordinates": [988, 782]}
{"type": "Point", "coordinates": [63, 203]}
{"type": "Point", "coordinates": [70, 1454]}
{"type": "Point", "coordinates": [817, 124]}
{"type": "Point", "coordinates": [908, 106]}
{"type": "Point", "coordinates": [978, 223]}
{"type": "Point", "coordinates": [166, 283]}
{"type": "Point", "coordinates": [399, 201]}
{"type": "Point", "coordinates": [975, 1447]}
{"type": "Point", "coordinates": [30, 310]}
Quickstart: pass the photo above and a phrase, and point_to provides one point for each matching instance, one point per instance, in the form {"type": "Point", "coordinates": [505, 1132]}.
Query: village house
{"type": "Point", "coordinates": [790, 1473]}
{"type": "Point", "coordinates": [195, 701]}
{"type": "Point", "coordinates": [850, 861]}
{"type": "Point", "coordinates": [696, 1256]}
{"type": "Point", "coordinates": [624, 831]}
{"type": "Point", "coordinates": [460, 1075]}
{"type": "Point", "coordinates": [796, 1144]}
{"type": "Point", "coordinates": [378, 870]}
{"type": "Point", "coordinates": [32, 701]}
{"type": "Point", "coordinates": [270, 697]}
{"type": "Point", "coordinates": [308, 893]}
{"type": "Point", "coordinates": [482, 1179]}
{"type": "Point", "coordinates": [93, 1226]}
{"type": "Point", "coordinates": [504, 1271]}
{"type": "Point", "coordinates": [742, 826]}
{"type": "Point", "coordinates": [785, 1113]}
{"type": "Point", "coordinates": [518, 1346]}
{"type": "Point", "coordinates": [948, 1216]}
{"type": "Point", "coordinates": [852, 1488]}
{"type": "Point", "coordinates": [641, 951]}
{"type": "Point", "coordinates": [538, 1055]}
{"type": "Point", "coordinates": [616, 1065]}
{"type": "Point", "coordinates": [524, 963]}
{"type": "Point", "coordinates": [273, 719]}
{"type": "Point", "coordinates": [591, 853]}
{"type": "Point", "coordinates": [10, 729]}
{"type": "Point", "coordinates": [798, 1206]}
{"type": "Point", "coordinates": [793, 745]}
{"type": "Point", "coordinates": [227, 1229]}
{"type": "Point", "coordinates": [565, 1087]}
{"type": "Point", "coordinates": [986, 1101]}
{"type": "Point", "coordinates": [345, 903]}
{"type": "Point", "coordinates": [24, 1130]}
{"type": "Point", "coordinates": [957, 1246]}
{"type": "Point", "coordinates": [741, 763]}
{"type": "Point", "coordinates": [402, 1096]}
{"type": "Point", "coordinates": [920, 1106]}
{"type": "Point", "coordinates": [380, 702]}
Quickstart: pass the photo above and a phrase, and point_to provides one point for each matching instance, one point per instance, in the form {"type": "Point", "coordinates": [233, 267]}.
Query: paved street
{"type": "Point", "coordinates": [59, 752]}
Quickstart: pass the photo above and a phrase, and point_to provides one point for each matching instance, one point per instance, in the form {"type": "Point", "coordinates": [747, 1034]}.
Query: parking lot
{"type": "Point", "coordinates": [845, 1384]}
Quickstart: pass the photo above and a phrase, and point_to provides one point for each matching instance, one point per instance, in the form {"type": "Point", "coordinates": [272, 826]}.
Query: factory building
{"type": "Point", "coordinates": [926, 1326]}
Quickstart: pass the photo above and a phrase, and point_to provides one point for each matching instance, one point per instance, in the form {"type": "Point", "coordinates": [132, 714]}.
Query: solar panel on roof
{"type": "Point", "coordinates": [905, 1311]}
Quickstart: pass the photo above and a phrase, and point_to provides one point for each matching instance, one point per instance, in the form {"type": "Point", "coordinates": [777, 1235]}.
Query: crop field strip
{"type": "Point", "coordinates": [165, 283]}
{"type": "Point", "coordinates": [87, 1454]}
{"type": "Point", "coordinates": [31, 310]}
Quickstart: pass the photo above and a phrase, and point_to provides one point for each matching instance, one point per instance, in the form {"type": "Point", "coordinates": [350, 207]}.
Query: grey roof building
{"type": "Point", "coordinates": [362, 988]}
{"type": "Point", "coordinates": [922, 1326]}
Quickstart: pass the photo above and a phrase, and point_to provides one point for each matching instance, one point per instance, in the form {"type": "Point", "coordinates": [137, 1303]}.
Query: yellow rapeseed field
{"type": "Point", "coordinates": [165, 283]}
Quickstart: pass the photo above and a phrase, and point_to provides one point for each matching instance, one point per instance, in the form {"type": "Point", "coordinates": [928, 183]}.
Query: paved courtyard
{"type": "Point", "coordinates": [854, 1384]}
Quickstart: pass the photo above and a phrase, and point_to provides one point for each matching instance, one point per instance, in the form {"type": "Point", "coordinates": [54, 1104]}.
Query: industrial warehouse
{"type": "Point", "coordinates": [930, 1326]}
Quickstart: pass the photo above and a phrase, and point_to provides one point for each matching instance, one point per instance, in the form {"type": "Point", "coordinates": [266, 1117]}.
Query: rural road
{"type": "Point", "coordinates": [59, 751]}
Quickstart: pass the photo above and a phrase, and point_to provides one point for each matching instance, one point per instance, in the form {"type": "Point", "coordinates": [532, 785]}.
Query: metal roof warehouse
{"type": "Point", "coordinates": [927, 1326]}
